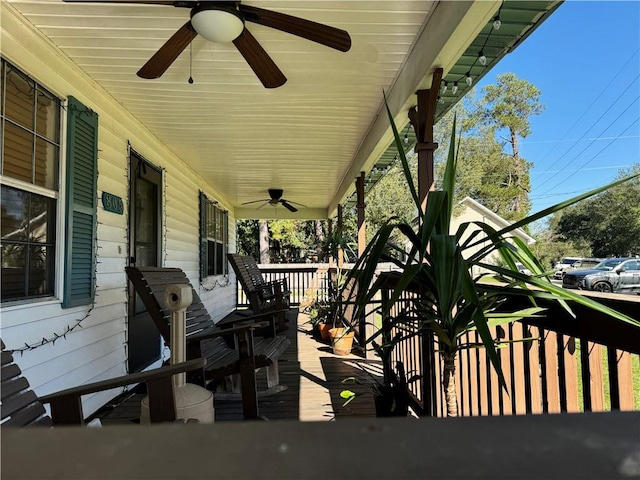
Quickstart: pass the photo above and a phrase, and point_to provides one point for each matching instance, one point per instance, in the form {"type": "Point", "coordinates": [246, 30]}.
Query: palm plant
{"type": "Point", "coordinates": [451, 301]}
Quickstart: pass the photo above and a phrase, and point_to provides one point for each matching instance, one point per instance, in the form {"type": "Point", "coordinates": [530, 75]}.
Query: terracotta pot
{"type": "Point", "coordinates": [340, 341]}
{"type": "Point", "coordinates": [324, 331]}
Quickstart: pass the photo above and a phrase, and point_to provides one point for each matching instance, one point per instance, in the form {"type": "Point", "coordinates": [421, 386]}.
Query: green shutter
{"type": "Point", "coordinates": [203, 235]}
{"type": "Point", "coordinates": [225, 241]}
{"type": "Point", "coordinates": [81, 204]}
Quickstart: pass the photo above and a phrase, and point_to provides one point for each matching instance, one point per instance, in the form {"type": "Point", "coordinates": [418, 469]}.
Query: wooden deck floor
{"type": "Point", "coordinates": [312, 374]}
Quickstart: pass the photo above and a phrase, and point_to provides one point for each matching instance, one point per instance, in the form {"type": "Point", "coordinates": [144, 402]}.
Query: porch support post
{"type": "Point", "coordinates": [362, 245]}
{"type": "Point", "coordinates": [362, 232]}
{"type": "Point", "coordinates": [422, 121]}
{"type": "Point", "coordinates": [339, 229]}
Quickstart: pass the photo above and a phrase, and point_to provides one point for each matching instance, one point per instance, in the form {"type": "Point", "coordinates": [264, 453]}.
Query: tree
{"type": "Point", "coordinates": [280, 241]}
{"type": "Point", "coordinates": [508, 105]}
{"type": "Point", "coordinates": [551, 247]}
{"type": "Point", "coordinates": [247, 238]}
{"type": "Point", "coordinates": [497, 179]}
{"type": "Point", "coordinates": [608, 222]}
{"type": "Point", "coordinates": [263, 241]}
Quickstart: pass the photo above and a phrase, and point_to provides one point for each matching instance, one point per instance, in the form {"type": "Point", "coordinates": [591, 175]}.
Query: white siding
{"type": "Point", "coordinates": [98, 349]}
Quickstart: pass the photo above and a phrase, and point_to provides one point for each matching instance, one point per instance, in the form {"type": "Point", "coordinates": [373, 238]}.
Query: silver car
{"type": "Point", "coordinates": [581, 264]}
{"type": "Point", "coordinates": [624, 277]}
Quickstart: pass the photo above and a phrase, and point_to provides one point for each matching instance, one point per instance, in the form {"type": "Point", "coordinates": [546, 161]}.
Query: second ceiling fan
{"type": "Point", "coordinates": [275, 198]}
{"type": "Point", "coordinates": [224, 22]}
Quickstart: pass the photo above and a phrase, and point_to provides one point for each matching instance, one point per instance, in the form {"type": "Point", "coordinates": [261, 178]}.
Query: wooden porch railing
{"type": "Point", "coordinates": [590, 363]}
{"type": "Point", "coordinates": [305, 281]}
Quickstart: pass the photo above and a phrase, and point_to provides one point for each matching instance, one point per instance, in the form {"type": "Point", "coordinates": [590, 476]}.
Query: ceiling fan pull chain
{"type": "Point", "coordinates": [190, 62]}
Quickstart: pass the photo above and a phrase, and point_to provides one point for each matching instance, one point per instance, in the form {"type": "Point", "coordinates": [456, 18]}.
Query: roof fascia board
{"type": "Point", "coordinates": [447, 33]}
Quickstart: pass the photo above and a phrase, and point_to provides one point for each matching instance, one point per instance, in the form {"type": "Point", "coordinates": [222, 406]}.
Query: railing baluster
{"type": "Point", "coordinates": [526, 348]}
{"type": "Point", "coordinates": [586, 378]}
{"type": "Point", "coordinates": [542, 355]}
{"type": "Point", "coordinates": [614, 384]}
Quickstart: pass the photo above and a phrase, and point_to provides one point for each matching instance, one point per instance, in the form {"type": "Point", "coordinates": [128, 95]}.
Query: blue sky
{"type": "Point", "coordinates": [585, 59]}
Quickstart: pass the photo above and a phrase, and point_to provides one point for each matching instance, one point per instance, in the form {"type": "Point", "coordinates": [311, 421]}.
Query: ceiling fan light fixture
{"type": "Point", "coordinates": [217, 23]}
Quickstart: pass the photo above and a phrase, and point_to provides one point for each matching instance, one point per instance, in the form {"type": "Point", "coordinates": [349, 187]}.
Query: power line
{"type": "Point", "coordinates": [591, 139]}
{"type": "Point", "coordinates": [609, 167]}
{"type": "Point", "coordinates": [596, 98]}
{"type": "Point", "coordinates": [585, 148]}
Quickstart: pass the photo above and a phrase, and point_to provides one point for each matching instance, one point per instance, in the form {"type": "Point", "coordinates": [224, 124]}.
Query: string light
{"type": "Point", "coordinates": [482, 59]}
{"type": "Point", "coordinates": [215, 284]}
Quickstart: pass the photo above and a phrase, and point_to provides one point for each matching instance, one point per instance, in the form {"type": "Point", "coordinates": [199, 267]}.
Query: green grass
{"type": "Point", "coordinates": [635, 375]}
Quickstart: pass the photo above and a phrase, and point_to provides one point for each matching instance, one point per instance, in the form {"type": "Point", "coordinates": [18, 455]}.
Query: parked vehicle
{"type": "Point", "coordinates": [581, 264]}
{"type": "Point", "coordinates": [574, 278]}
{"type": "Point", "coordinates": [566, 262]}
{"type": "Point", "coordinates": [624, 277]}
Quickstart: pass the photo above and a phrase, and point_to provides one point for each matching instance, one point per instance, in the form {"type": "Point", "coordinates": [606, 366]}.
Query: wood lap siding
{"type": "Point", "coordinates": [98, 350]}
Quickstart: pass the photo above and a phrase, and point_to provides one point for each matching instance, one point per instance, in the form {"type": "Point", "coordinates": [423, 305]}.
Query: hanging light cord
{"type": "Point", "coordinates": [190, 62]}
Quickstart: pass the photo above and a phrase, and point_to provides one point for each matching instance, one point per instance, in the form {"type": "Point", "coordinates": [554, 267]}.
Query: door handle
{"type": "Point", "coordinates": [132, 261]}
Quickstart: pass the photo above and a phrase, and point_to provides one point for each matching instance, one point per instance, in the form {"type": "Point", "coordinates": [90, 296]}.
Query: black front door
{"type": "Point", "coordinates": [145, 247]}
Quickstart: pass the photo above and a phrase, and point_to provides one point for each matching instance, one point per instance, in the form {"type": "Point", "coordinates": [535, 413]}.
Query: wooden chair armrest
{"type": "Point", "coordinates": [141, 377]}
{"type": "Point", "coordinates": [216, 331]}
{"type": "Point", "coordinates": [249, 318]}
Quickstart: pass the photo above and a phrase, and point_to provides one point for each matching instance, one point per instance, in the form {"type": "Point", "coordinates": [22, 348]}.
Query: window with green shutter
{"type": "Point", "coordinates": [213, 238]}
{"type": "Point", "coordinates": [81, 204]}
{"type": "Point", "coordinates": [29, 167]}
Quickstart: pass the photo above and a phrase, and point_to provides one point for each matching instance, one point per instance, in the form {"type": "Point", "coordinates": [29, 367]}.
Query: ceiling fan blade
{"type": "Point", "coordinates": [288, 206]}
{"type": "Point", "coordinates": [166, 55]}
{"type": "Point", "coordinates": [316, 32]}
{"type": "Point", "coordinates": [256, 201]}
{"type": "Point", "coordinates": [294, 203]}
{"type": "Point", "coordinates": [259, 60]}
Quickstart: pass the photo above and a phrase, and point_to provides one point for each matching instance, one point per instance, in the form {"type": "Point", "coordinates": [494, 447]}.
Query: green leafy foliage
{"type": "Point", "coordinates": [448, 301]}
{"type": "Point", "coordinates": [608, 222]}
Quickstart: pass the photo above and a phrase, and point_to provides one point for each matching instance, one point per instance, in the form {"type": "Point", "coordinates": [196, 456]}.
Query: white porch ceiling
{"type": "Point", "coordinates": [310, 137]}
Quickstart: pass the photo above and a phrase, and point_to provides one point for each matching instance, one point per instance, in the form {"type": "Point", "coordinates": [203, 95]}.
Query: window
{"type": "Point", "coordinates": [29, 158]}
{"type": "Point", "coordinates": [213, 238]}
{"type": "Point", "coordinates": [30, 124]}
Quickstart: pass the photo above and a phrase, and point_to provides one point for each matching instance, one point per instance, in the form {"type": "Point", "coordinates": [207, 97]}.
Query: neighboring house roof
{"type": "Point", "coordinates": [469, 202]}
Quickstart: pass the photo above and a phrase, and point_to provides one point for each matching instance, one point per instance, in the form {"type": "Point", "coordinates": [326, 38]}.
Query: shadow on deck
{"type": "Point", "coordinates": [312, 374]}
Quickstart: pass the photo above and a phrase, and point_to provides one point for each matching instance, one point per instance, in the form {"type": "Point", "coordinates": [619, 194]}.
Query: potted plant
{"type": "Point", "coordinates": [342, 332]}
{"type": "Point", "coordinates": [450, 302]}
{"type": "Point", "coordinates": [391, 392]}
{"type": "Point", "coordinates": [319, 312]}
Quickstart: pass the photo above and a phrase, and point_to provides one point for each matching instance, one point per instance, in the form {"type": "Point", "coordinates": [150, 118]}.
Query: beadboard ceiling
{"type": "Point", "coordinates": [311, 136]}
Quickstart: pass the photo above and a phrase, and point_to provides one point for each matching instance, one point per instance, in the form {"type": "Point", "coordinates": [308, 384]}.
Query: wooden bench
{"type": "Point", "coordinates": [22, 407]}
{"type": "Point", "coordinates": [239, 354]}
{"type": "Point", "coordinates": [263, 296]}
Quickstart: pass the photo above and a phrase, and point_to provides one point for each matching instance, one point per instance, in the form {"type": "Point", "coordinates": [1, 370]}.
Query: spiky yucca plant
{"type": "Point", "coordinates": [452, 302]}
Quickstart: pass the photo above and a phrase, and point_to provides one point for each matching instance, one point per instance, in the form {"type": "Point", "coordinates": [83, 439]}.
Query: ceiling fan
{"type": "Point", "coordinates": [276, 198]}
{"type": "Point", "coordinates": [224, 22]}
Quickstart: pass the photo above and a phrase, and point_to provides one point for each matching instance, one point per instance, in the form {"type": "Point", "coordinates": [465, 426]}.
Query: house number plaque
{"type": "Point", "coordinates": [112, 203]}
